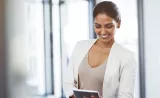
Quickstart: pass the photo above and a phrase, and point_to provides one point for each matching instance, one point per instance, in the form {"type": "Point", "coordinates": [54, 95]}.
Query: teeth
{"type": "Point", "coordinates": [104, 36]}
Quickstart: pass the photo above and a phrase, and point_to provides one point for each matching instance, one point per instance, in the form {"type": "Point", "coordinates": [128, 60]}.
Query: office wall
{"type": "Point", "coordinates": [152, 47]}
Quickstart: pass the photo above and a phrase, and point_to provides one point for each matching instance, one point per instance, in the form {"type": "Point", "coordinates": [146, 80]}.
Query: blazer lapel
{"type": "Point", "coordinates": [109, 70]}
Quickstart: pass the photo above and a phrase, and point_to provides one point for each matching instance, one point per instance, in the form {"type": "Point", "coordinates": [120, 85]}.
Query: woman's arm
{"type": "Point", "coordinates": [127, 79]}
{"type": "Point", "coordinates": [68, 83]}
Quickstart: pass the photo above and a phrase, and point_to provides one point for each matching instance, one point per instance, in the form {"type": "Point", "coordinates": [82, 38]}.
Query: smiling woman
{"type": "Point", "coordinates": [102, 64]}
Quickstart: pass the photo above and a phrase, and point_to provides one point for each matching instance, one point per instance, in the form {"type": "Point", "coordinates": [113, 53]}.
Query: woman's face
{"type": "Point", "coordinates": [105, 27]}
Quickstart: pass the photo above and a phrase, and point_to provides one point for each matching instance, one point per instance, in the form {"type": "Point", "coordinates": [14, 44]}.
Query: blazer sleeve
{"type": "Point", "coordinates": [68, 81]}
{"type": "Point", "coordinates": [127, 78]}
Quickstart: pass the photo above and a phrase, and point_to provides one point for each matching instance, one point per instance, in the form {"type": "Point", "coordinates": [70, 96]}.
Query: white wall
{"type": "Point", "coordinates": [152, 47]}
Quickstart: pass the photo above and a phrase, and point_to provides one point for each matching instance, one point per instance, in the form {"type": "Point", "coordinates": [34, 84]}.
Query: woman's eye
{"type": "Point", "coordinates": [97, 26]}
{"type": "Point", "coordinates": [109, 27]}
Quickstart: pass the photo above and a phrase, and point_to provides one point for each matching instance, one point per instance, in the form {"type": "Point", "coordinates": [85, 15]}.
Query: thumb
{"type": "Point", "coordinates": [93, 96]}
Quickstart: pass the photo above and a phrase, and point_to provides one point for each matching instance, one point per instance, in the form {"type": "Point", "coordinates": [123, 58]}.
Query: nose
{"type": "Point", "coordinates": [103, 31]}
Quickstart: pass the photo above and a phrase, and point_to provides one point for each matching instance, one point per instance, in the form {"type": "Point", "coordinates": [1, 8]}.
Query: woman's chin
{"type": "Point", "coordinates": [105, 40]}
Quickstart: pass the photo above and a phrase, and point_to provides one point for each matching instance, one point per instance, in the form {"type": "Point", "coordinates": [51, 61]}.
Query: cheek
{"type": "Point", "coordinates": [112, 31]}
{"type": "Point", "coordinates": [97, 31]}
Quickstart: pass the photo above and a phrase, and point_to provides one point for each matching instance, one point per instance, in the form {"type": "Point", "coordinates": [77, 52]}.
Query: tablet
{"type": "Point", "coordinates": [85, 93]}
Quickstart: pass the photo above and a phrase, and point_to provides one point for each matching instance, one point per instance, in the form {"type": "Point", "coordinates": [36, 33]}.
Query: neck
{"type": "Point", "coordinates": [102, 44]}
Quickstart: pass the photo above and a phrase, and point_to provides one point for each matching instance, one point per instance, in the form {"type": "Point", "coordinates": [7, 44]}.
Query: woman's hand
{"type": "Point", "coordinates": [72, 96]}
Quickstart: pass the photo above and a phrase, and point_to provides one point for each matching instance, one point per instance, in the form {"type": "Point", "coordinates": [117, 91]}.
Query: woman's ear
{"type": "Point", "coordinates": [119, 24]}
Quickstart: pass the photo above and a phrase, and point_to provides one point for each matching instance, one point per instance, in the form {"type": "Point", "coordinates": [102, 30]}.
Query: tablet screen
{"type": "Point", "coordinates": [85, 93]}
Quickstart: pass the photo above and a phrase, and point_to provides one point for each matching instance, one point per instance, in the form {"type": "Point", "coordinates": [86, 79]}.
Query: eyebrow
{"type": "Point", "coordinates": [105, 24]}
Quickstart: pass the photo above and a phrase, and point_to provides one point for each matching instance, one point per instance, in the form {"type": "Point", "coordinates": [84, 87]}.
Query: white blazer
{"type": "Point", "coordinates": [119, 76]}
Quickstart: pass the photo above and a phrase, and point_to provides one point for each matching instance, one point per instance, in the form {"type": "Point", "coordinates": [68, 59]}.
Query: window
{"type": "Point", "coordinates": [35, 33]}
{"type": "Point", "coordinates": [70, 24]}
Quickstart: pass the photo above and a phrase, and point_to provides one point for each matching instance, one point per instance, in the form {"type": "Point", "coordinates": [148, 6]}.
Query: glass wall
{"type": "Point", "coordinates": [34, 26]}
{"type": "Point", "coordinates": [70, 24]}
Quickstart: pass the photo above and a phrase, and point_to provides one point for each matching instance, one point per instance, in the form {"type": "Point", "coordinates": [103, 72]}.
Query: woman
{"type": "Point", "coordinates": [102, 64]}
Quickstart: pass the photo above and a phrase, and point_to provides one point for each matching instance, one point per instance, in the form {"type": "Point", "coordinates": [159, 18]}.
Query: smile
{"type": "Point", "coordinates": [105, 36]}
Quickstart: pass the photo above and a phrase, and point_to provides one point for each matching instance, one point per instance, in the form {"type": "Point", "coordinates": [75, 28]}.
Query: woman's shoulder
{"type": "Point", "coordinates": [83, 44]}
{"type": "Point", "coordinates": [124, 52]}
{"type": "Point", "coordinates": [126, 56]}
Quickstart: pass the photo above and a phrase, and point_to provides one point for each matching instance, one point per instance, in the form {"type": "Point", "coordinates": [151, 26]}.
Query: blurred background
{"type": "Point", "coordinates": [38, 36]}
